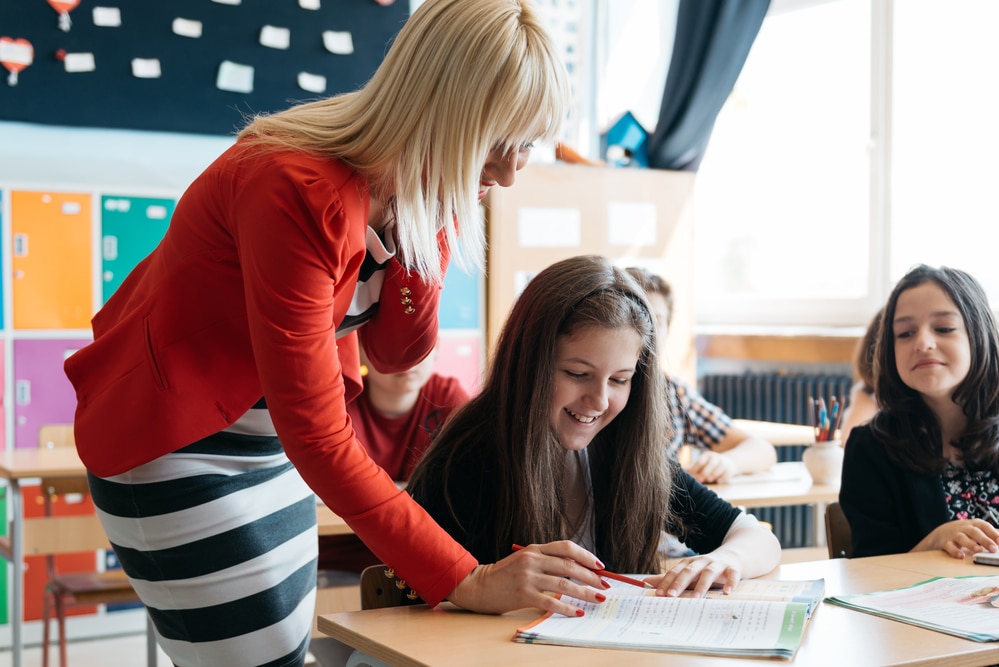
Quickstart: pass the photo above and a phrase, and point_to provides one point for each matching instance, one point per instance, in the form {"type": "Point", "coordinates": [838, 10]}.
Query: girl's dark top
{"type": "Point", "coordinates": [705, 518]}
{"type": "Point", "coordinates": [890, 509]}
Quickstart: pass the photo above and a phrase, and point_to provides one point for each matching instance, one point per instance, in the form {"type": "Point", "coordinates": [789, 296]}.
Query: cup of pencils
{"type": "Point", "coordinates": [824, 458]}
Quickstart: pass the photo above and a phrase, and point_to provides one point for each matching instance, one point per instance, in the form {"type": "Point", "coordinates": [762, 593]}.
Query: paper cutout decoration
{"type": "Point", "coordinates": [275, 37]}
{"type": "Point", "coordinates": [64, 7]}
{"type": "Point", "coordinates": [340, 43]}
{"type": "Point", "coordinates": [314, 83]}
{"type": "Point", "coordinates": [15, 55]}
{"type": "Point", "coordinates": [77, 62]}
{"type": "Point", "coordinates": [235, 77]}
{"type": "Point", "coordinates": [384, 3]}
{"type": "Point", "coordinates": [146, 68]}
{"type": "Point", "coordinates": [227, 2]}
{"type": "Point", "coordinates": [107, 17]}
{"type": "Point", "coordinates": [187, 28]}
{"type": "Point", "coordinates": [309, 4]}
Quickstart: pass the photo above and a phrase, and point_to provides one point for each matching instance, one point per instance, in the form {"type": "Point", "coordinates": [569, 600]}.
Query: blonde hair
{"type": "Point", "coordinates": [462, 78]}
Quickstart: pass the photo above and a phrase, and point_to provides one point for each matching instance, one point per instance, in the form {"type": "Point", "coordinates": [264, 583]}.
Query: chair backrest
{"type": "Point", "coordinates": [838, 536]}
{"type": "Point", "coordinates": [380, 587]}
{"type": "Point", "coordinates": [51, 436]}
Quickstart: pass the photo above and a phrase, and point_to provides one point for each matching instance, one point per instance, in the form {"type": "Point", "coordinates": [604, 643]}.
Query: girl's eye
{"type": "Point", "coordinates": [575, 376]}
{"type": "Point", "coordinates": [621, 381]}
{"type": "Point", "coordinates": [946, 330]}
{"type": "Point", "coordinates": [526, 147]}
{"type": "Point", "coordinates": [903, 334]}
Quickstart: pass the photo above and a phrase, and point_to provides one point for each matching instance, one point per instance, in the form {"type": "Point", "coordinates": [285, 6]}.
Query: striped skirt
{"type": "Point", "coordinates": [219, 541]}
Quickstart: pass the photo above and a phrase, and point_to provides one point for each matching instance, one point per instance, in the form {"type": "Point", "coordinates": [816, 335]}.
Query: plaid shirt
{"type": "Point", "coordinates": [695, 421]}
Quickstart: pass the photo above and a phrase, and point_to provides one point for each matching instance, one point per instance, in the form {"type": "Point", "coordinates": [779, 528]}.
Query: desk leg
{"type": "Point", "coordinates": [17, 571]}
{"type": "Point", "coordinates": [819, 524]}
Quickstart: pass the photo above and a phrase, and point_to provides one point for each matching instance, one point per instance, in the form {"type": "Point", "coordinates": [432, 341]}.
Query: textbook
{"type": "Point", "coordinates": [965, 607]}
{"type": "Point", "coordinates": [760, 618]}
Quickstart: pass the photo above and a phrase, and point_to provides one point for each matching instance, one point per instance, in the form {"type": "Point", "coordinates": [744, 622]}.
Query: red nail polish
{"type": "Point", "coordinates": [600, 566]}
{"type": "Point", "coordinates": [580, 612]}
{"type": "Point", "coordinates": [605, 583]}
{"type": "Point", "coordinates": [601, 597]}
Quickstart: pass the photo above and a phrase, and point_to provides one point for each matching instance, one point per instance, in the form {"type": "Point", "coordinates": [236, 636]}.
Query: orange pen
{"type": "Point", "coordinates": [610, 575]}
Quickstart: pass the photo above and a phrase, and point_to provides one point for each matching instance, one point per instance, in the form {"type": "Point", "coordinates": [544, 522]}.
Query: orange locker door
{"type": "Point", "coordinates": [52, 260]}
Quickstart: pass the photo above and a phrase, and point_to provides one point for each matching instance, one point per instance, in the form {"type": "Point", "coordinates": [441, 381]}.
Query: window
{"type": "Point", "coordinates": [858, 141]}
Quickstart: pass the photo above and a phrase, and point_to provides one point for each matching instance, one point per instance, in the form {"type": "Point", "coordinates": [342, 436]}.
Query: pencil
{"type": "Point", "coordinates": [611, 575]}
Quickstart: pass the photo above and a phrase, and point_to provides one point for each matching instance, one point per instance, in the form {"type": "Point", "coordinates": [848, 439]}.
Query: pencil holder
{"type": "Point", "coordinates": [824, 461]}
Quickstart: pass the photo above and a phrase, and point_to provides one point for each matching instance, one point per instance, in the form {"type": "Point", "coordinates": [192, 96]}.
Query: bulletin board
{"type": "Point", "coordinates": [156, 64]}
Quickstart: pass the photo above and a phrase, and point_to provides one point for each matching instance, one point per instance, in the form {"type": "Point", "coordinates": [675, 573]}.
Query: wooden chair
{"type": "Point", "coordinates": [838, 536]}
{"type": "Point", "coordinates": [380, 587]}
{"type": "Point", "coordinates": [64, 590]}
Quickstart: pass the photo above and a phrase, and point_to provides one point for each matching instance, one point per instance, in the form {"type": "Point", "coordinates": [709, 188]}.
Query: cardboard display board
{"type": "Point", "coordinates": [635, 217]}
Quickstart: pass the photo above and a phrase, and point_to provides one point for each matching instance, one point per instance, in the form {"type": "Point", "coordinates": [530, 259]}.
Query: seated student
{"type": "Point", "coordinates": [862, 404]}
{"type": "Point", "coordinates": [924, 473]}
{"type": "Point", "coordinates": [564, 442]}
{"type": "Point", "coordinates": [722, 449]}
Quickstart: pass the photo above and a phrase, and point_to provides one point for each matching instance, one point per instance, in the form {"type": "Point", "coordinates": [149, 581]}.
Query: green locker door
{"type": "Point", "coordinates": [130, 229]}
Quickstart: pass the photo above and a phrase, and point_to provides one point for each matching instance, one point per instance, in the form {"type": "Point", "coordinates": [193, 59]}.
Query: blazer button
{"type": "Point", "coordinates": [405, 301]}
{"type": "Point", "coordinates": [405, 291]}
{"type": "Point", "coordinates": [409, 310]}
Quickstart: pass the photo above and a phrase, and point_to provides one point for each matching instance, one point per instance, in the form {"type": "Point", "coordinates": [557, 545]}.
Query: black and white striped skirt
{"type": "Point", "coordinates": [219, 541]}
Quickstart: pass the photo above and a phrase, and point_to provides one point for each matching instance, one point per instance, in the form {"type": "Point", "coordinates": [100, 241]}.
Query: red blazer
{"type": "Point", "coordinates": [241, 299]}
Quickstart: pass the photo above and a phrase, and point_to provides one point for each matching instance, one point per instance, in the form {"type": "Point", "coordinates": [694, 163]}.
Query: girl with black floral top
{"type": "Point", "coordinates": [924, 473]}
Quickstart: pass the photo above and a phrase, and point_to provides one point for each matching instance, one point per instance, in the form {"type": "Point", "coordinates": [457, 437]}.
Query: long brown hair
{"type": "Point", "coordinates": [911, 431]}
{"type": "Point", "coordinates": [509, 422]}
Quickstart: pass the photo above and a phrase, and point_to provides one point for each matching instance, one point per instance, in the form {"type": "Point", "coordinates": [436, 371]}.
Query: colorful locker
{"type": "Point", "coordinates": [3, 273]}
{"type": "Point", "coordinates": [461, 300]}
{"type": "Point", "coordinates": [459, 355]}
{"type": "Point", "coordinates": [130, 228]}
{"type": "Point", "coordinates": [42, 392]}
{"type": "Point", "coordinates": [51, 266]}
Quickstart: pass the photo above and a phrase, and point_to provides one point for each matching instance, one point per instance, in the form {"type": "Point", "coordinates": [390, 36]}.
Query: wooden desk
{"type": "Point", "coordinates": [445, 636]}
{"type": "Point", "coordinates": [777, 434]}
{"type": "Point", "coordinates": [785, 484]}
{"type": "Point", "coordinates": [38, 535]}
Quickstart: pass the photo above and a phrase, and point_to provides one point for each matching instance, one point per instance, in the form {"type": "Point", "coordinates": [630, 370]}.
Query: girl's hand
{"type": "Point", "coordinates": [528, 577]}
{"type": "Point", "coordinates": [961, 537]}
{"type": "Point", "coordinates": [711, 467]}
{"type": "Point", "coordinates": [699, 573]}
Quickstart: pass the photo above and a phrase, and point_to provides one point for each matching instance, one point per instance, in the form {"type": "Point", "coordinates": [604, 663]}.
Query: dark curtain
{"type": "Point", "coordinates": [713, 38]}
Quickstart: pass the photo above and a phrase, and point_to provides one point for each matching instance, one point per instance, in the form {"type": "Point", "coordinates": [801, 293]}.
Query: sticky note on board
{"type": "Point", "coordinates": [235, 77]}
{"type": "Point", "coordinates": [309, 4]}
{"type": "Point", "coordinates": [314, 83]}
{"type": "Point", "coordinates": [340, 43]}
{"type": "Point", "coordinates": [107, 17]}
{"type": "Point", "coordinates": [549, 227]}
{"type": "Point", "coordinates": [274, 37]}
{"type": "Point", "coordinates": [79, 62]}
{"type": "Point", "coordinates": [228, 2]}
{"type": "Point", "coordinates": [187, 27]}
{"type": "Point", "coordinates": [146, 68]}
{"type": "Point", "coordinates": [631, 223]}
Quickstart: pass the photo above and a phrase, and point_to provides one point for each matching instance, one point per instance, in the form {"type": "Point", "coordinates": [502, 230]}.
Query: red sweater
{"type": "Point", "coordinates": [241, 300]}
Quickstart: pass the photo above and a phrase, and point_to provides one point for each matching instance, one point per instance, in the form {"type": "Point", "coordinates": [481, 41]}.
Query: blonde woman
{"type": "Point", "coordinates": [220, 370]}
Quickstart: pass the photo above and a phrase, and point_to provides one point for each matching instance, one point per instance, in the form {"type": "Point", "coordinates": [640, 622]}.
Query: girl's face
{"type": "Point", "coordinates": [593, 371]}
{"type": "Point", "coordinates": [932, 350]}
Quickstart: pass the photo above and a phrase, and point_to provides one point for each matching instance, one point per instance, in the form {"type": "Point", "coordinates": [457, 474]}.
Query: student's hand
{"type": "Point", "coordinates": [711, 467]}
{"type": "Point", "coordinates": [527, 578]}
{"type": "Point", "coordinates": [699, 573]}
{"type": "Point", "coordinates": [961, 537]}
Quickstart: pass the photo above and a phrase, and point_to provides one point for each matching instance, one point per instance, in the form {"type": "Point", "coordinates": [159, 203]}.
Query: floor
{"type": "Point", "coordinates": [123, 651]}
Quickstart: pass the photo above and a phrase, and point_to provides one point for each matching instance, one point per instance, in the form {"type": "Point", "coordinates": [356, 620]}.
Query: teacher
{"type": "Point", "coordinates": [220, 370]}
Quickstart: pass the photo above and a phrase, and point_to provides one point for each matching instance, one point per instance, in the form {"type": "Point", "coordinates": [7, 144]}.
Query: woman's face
{"type": "Point", "coordinates": [932, 349]}
{"type": "Point", "coordinates": [501, 168]}
{"type": "Point", "coordinates": [593, 372]}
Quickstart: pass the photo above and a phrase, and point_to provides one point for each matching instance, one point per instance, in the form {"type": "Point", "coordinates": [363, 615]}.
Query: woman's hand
{"type": "Point", "coordinates": [528, 577]}
{"type": "Point", "coordinates": [961, 537]}
{"type": "Point", "coordinates": [711, 467]}
{"type": "Point", "coordinates": [700, 573]}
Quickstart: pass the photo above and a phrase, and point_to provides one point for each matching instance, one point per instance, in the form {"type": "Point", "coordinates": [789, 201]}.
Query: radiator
{"type": "Point", "coordinates": [777, 397]}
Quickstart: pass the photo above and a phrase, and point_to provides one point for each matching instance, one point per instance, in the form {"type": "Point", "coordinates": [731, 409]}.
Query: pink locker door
{"type": "Point", "coordinates": [42, 392]}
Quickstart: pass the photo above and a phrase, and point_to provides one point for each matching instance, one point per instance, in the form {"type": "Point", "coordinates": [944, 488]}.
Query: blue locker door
{"type": "Point", "coordinates": [130, 229]}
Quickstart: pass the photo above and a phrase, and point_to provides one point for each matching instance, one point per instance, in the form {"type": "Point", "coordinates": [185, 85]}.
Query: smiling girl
{"type": "Point", "coordinates": [566, 441]}
{"type": "Point", "coordinates": [924, 474]}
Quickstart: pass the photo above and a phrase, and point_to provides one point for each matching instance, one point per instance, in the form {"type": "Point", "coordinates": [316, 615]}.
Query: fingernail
{"type": "Point", "coordinates": [600, 566]}
{"type": "Point", "coordinates": [580, 612]}
{"type": "Point", "coordinates": [605, 583]}
{"type": "Point", "coordinates": [601, 597]}
{"type": "Point", "coordinates": [672, 592]}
